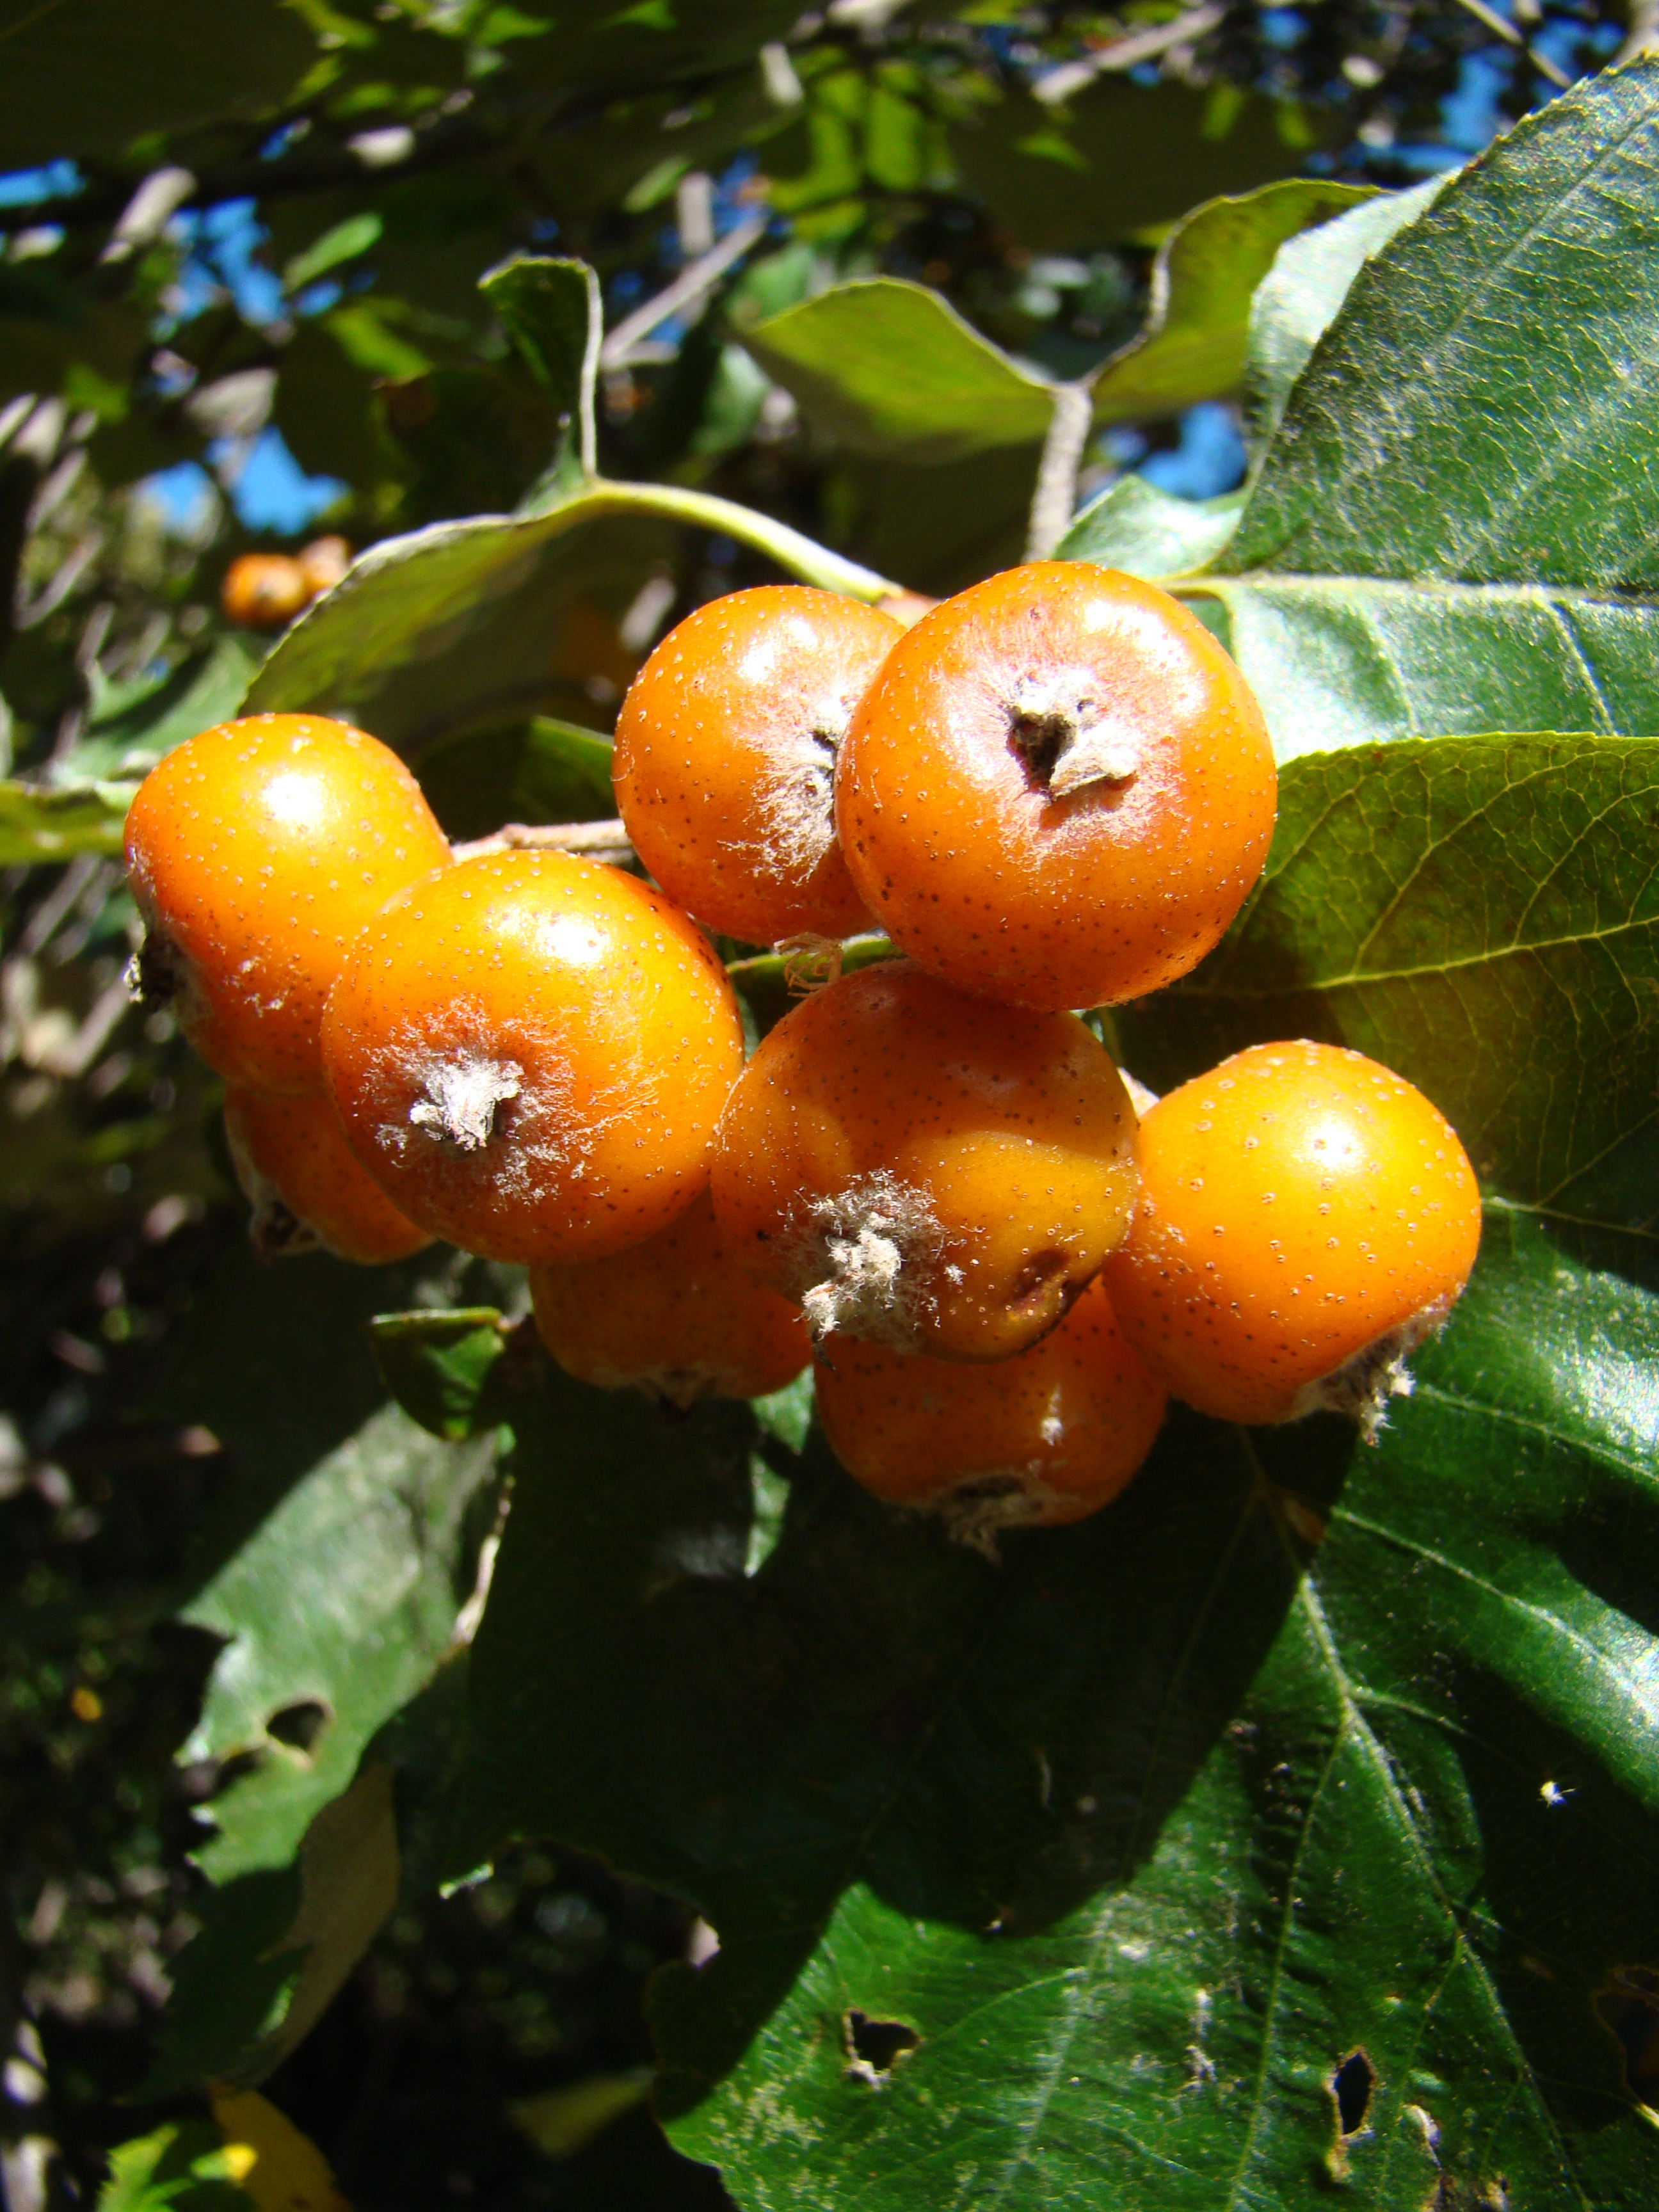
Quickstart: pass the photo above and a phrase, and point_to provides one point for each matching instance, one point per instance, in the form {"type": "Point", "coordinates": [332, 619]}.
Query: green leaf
{"type": "Point", "coordinates": [335, 1561]}
{"type": "Point", "coordinates": [181, 2164]}
{"type": "Point", "coordinates": [1449, 532]}
{"type": "Point", "coordinates": [1351, 661]}
{"type": "Point", "coordinates": [1298, 299]}
{"type": "Point", "coordinates": [553, 315]}
{"type": "Point", "coordinates": [441, 1367]}
{"type": "Point", "coordinates": [232, 1983]}
{"type": "Point", "coordinates": [1481, 914]}
{"type": "Point", "coordinates": [461, 624]}
{"type": "Point", "coordinates": [890, 368]}
{"type": "Point", "coordinates": [1193, 346]}
{"type": "Point", "coordinates": [1120, 158]}
{"type": "Point", "coordinates": [335, 1614]}
{"type": "Point", "coordinates": [474, 439]}
{"type": "Point", "coordinates": [89, 77]}
{"type": "Point", "coordinates": [1078, 1880]}
{"type": "Point", "coordinates": [273, 1945]}
{"type": "Point", "coordinates": [343, 241]}
{"type": "Point", "coordinates": [1135, 527]}
{"type": "Point", "coordinates": [786, 1414]}
{"type": "Point", "coordinates": [545, 771]}
{"type": "Point", "coordinates": [132, 724]}
{"type": "Point", "coordinates": [276, 1945]}
{"type": "Point", "coordinates": [367, 333]}
{"type": "Point", "coordinates": [1455, 424]}
{"type": "Point", "coordinates": [45, 822]}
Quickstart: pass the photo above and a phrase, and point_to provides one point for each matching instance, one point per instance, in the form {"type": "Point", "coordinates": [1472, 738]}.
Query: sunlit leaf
{"type": "Point", "coordinates": [890, 368]}
{"type": "Point", "coordinates": [335, 1563]}
{"type": "Point", "coordinates": [1297, 300]}
{"type": "Point", "coordinates": [1402, 451]}
{"type": "Point", "coordinates": [1451, 530]}
{"type": "Point", "coordinates": [552, 313]}
{"type": "Point", "coordinates": [1136, 526]}
{"type": "Point", "coordinates": [1193, 347]}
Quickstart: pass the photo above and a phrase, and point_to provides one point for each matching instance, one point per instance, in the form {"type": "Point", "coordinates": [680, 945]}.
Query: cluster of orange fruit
{"type": "Point", "coordinates": [266, 591]}
{"type": "Point", "coordinates": [1053, 791]}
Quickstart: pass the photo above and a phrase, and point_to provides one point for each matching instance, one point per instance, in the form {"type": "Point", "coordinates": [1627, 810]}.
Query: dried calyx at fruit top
{"type": "Point", "coordinates": [1058, 791]}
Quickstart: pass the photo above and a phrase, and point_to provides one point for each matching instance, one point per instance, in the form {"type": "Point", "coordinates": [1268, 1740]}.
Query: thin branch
{"type": "Point", "coordinates": [59, 587]}
{"type": "Point", "coordinates": [1059, 84]}
{"type": "Point", "coordinates": [688, 289]}
{"type": "Point", "coordinates": [1055, 496]}
{"type": "Point", "coordinates": [1502, 28]}
{"type": "Point", "coordinates": [313, 169]}
{"type": "Point", "coordinates": [598, 840]}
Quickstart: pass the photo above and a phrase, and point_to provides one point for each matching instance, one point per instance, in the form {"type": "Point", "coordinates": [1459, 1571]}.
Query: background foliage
{"type": "Point", "coordinates": [1288, 1828]}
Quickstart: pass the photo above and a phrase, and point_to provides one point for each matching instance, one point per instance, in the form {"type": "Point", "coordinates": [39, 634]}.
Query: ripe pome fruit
{"type": "Point", "coordinates": [263, 590]}
{"type": "Point", "coordinates": [1058, 790]}
{"type": "Point", "coordinates": [529, 1052]}
{"type": "Point", "coordinates": [675, 1317]}
{"type": "Point", "coordinates": [725, 755]}
{"type": "Point", "coordinates": [922, 1170]}
{"type": "Point", "coordinates": [1048, 1436]}
{"type": "Point", "coordinates": [1306, 1218]}
{"type": "Point", "coordinates": [256, 852]}
{"type": "Point", "coordinates": [306, 1185]}
{"type": "Point", "coordinates": [322, 564]}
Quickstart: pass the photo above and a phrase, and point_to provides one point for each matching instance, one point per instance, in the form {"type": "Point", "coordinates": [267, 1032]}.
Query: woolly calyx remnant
{"type": "Point", "coordinates": [1362, 1387]}
{"type": "Point", "coordinates": [460, 1099]}
{"type": "Point", "coordinates": [977, 1510]}
{"type": "Point", "coordinates": [869, 1260]}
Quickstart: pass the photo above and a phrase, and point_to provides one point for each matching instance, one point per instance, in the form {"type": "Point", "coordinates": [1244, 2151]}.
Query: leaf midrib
{"type": "Point", "coordinates": [1349, 586]}
{"type": "Point", "coordinates": [1325, 1643]}
{"type": "Point", "coordinates": [1362, 978]}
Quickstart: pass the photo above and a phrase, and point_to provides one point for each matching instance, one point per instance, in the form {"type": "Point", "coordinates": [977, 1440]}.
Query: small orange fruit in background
{"type": "Point", "coordinates": [675, 1317]}
{"type": "Point", "coordinates": [1048, 1435]}
{"type": "Point", "coordinates": [1306, 1216]}
{"type": "Point", "coordinates": [264, 590]}
{"type": "Point", "coordinates": [529, 1052]}
{"type": "Point", "coordinates": [922, 1170]}
{"type": "Point", "coordinates": [1059, 789]}
{"type": "Point", "coordinates": [256, 852]}
{"type": "Point", "coordinates": [305, 1183]}
{"type": "Point", "coordinates": [725, 755]}
{"type": "Point", "coordinates": [322, 564]}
